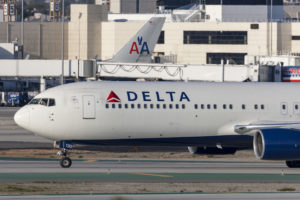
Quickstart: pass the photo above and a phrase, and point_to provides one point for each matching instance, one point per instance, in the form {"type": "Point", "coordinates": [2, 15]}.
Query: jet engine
{"type": "Point", "coordinates": [211, 150]}
{"type": "Point", "coordinates": [277, 144]}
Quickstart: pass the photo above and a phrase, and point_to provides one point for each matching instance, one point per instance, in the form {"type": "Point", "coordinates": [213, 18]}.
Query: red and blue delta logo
{"type": "Point", "coordinates": [147, 96]}
{"type": "Point", "coordinates": [113, 98]}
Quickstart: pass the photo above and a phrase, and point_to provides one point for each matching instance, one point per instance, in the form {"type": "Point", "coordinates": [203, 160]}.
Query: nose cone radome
{"type": "Point", "coordinates": [22, 118]}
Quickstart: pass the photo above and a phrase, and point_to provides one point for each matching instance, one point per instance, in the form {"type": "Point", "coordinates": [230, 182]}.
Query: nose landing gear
{"type": "Point", "coordinates": [65, 161]}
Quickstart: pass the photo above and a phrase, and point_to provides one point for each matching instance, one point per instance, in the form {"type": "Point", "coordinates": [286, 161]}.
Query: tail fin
{"type": "Point", "coordinates": [141, 46]}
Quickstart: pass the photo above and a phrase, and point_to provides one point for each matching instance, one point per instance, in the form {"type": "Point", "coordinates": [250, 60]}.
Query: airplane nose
{"type": "Point", "coordinates": [22, 118]}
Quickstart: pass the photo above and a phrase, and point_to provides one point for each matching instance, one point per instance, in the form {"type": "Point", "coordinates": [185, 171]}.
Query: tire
{"type": "Point", "coordinates": [65, 162]}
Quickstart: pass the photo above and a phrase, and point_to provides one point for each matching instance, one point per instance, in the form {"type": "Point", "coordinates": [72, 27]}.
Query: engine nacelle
{"type": "Point", "coordinates": [277, 144]}
{"type": "Point", "coordinates": [211, 150]}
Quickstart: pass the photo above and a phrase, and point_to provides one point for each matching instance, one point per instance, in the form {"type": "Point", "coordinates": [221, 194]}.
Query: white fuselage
{"type": "Point", "coordinates": [84, 111]}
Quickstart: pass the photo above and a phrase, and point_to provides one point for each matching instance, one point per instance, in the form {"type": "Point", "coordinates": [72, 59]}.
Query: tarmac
{"type": "Point", "coordinates": [247, 196]}
{"type": "Point", "coordinates": [156, 171]}
{"type": "Point", "coordinates": [209, 166]}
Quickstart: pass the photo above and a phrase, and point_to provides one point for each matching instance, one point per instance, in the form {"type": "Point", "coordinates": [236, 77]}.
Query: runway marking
{"type": "Point", "coordinates": [158, 175]}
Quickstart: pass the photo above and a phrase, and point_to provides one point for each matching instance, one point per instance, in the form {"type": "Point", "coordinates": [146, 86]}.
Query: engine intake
{"type": "Point", "coordinates": [277, 144]}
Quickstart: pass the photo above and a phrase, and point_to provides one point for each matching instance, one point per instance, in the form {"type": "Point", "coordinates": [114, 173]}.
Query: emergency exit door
{"type": "Point", "coordinates": [89, 111]}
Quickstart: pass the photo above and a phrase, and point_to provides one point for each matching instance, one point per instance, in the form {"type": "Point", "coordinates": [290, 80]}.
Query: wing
{"type": "Point", "coordinates": [242, 129]}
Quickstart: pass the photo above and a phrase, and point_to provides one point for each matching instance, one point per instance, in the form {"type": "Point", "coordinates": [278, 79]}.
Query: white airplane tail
{"type": "Point", "coordinates": [141, 46]}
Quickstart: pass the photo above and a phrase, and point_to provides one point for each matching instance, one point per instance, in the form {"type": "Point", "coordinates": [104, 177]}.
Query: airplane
{"type": "Point", "coordinates": [141, 46]}
{"type": "Point", "coordinates": [209, 118]}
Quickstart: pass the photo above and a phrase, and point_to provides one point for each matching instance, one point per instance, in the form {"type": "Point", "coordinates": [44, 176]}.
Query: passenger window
{"type": "Point", "coordinates": [183, 106]}
{"type": "Point", "coordinates": [120, 106]}
{"type": "Point", "coordinates": [243, 106]}
{"type": "Point", "coordinates": [296, 108]}
{"type": "Point", "coordinates": [255, 106]}
{"type": "Point", "coordinates": [44, 102]}
{"type": "Point", "coordinates": [164, 106]}
{"type": "Point", "coordinates": [157, 106]}
{"type": "Point", "coordinates": [107, 105]}
{"type": "Point", "coordinates": [284, 108]}
{"type": "Point", "coordinates": [113, 106]}
{"type": "Point", "coordinates": [139, 106]}
{"type": "Point", "coordinates": [126, 106]}
{"type": "Point", "coordinates": [51, 102]}
{"type": "Point", "coordinates": [196, 106]}
{"type": "Point", "coordinates": [208, 106]}
{"type": "Point", "coordinates": [262, 107]}
{"type": "Point", "coordinates": [224, 106]}
{"type": "Point", "coordinates": [202, 106]}
{"type": "Point", "coordinates": [132, 106]}
{"type": "Point", "coordinates": [151, 106]}
{"type": "Point", "coordinates": [215, 106]}
{"type": "Point", "coordinates": [230, 106]}
{"type": "Point", "coordinates": [145, 106]}
{"type": "Point", "coordinates": [171, 106]}
{"type": "Point", "coordinates": [177, 106]}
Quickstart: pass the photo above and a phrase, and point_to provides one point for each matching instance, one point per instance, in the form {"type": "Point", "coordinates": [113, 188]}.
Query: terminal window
{"type": "Point", "coordinates": [233, 58]}
{"type": "Point", "coordinates": [161, 38]}
{"type": "Point", "coordinates": [215, 37]}
{"type": "Point", "coordinates": [295, 37]}
{"type": "Point", "coordinates": [254, 26]}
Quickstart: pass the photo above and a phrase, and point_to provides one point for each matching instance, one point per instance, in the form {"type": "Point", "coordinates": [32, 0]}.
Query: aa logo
{"type": "Point", "coordinates": [139, 47]}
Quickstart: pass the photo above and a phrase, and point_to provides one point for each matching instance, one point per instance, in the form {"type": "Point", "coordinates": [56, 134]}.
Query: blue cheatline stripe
{"type": "Point", "coordinates": [237, 141]}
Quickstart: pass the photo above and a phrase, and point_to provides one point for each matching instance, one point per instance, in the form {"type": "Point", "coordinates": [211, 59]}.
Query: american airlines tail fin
{"type": "Point", "coordinates": [141, 46]}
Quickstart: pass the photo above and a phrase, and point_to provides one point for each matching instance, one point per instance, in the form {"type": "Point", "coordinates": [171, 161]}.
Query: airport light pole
{"type": "Point", "coordinates": [22, 29]}
{"type": "Point", "coordinates": [271, 28]}
{"type": "Point", "coordinates": [62, 43]}
{"type": "Point", "coordinates": [79, 17]}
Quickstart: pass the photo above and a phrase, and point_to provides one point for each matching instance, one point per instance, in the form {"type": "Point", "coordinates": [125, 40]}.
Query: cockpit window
{"type": "Point", "coordinates": [51, 102]}
{"type": "Point", "coordinates": [34, 101]}
{"type": "Point", "coordinates": [44, 102]}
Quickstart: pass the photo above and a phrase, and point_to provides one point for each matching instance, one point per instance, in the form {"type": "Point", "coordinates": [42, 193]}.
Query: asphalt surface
{"type": "Point", "coordinates": [245, 196]}
{"type": "Point", "coordinates": [153, 166]}
{"type": "Point", "coordinates": [148, 171]}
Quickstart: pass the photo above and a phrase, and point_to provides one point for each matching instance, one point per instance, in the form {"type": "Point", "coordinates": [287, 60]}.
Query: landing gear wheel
{"type": "Point", "coordinates": [65, 162]}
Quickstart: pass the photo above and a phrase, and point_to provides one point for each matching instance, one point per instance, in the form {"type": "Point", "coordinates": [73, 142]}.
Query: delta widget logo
{"type": "Point", "coordinates": [113, 98]}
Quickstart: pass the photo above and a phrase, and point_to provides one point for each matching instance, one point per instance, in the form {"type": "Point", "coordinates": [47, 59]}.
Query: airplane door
{"type": "Point", "coordinates": [89, 107]}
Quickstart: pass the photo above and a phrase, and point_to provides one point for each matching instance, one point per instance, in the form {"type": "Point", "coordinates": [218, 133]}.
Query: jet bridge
{"type": "Point", "coordinates": [42, 70]}
{"type": "Point", "coordinates": [46, 68]}
{"type": "Point", "coordinates": [178, 72]}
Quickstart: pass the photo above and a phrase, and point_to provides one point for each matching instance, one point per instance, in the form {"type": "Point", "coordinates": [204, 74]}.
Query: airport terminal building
{"type": "Point", "coordinates": [203, 33]}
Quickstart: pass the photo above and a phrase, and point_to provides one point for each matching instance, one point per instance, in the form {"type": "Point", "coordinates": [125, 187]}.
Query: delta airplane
{"type": "Point", "coordinates": [210, 118]}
